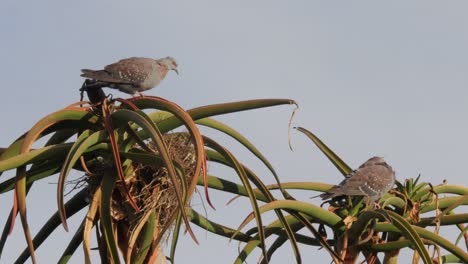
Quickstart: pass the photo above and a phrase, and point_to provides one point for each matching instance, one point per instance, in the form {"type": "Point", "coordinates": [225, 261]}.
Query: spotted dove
{"type": "Point", "coordinates": [132, 75]}
{"type": "Point", "coordinates": [372, 179]}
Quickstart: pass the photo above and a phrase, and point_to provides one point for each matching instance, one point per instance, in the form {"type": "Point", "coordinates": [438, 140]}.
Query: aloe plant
{"type": "Point", "coordinates": [139, 174]}
{"type": "Point", "coordinates": [349, 227]}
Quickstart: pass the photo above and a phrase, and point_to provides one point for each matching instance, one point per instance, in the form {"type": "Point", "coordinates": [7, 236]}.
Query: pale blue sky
{"type": "Point", "coordinates": [371, 77]}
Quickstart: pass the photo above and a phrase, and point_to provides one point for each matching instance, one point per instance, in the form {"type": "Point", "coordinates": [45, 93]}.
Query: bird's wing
{"type": "Point", "coordinates": [132, 63]}
{"type": "Point", "coordinates": [103, 76]}
{"type": "Point", "coordinates": [366, 180]}
{"type": "Point", "coordinates": [135, 69]}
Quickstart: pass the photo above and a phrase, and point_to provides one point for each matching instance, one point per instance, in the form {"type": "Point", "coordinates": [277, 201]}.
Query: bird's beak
{"type": "Point", "coordinates": [176, 71]}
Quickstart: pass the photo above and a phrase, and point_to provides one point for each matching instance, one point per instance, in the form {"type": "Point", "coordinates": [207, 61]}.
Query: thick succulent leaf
{"type": "Point", "coordinates": [279, 241]}
{"type": "Point", "coordinates": [395, 201]}
{"type": "Point", "coordinates": [429, 235]}
{"type": "Point", "coordinates": [146, 239]}
{"type": "Point", "coordinates": [444, 203]}
{"type": "Point", "coordinates": [35, 170]}
{"type": "Point", "coordinates": [147, 217]}
{"type": "Point", "coordinates": [12, 150]}
{"type": "Point", "coordinates": [305, 186]}
{"type": "Point", "coordinates": [181, 114]}
{"type": "Point", "coordinates": [409, 232]}
{"type": "Point", "coordinates": [264, 191]}
{"type": "Point", "coordinates": [74, 205]}
{"type": "Point", "coordinates": [275, 228]}
{"type": "Point", "coordinates": [441, 189]}
{"type": "Point", "coordinates": [450, 258]}
{"type": "Point", "coordinates": [214, 227]}
{"type": "Point", "coordinates": [35, 156]}
{"type": "Point", "coordinates": [220, 109]}
{"type": "Point", "coordinates": [461, 200]}
{"type": "Point", "coordinates": [317, 213]}
{"type": "Point", "coordinates": [245, 182]}
{"type": "Point", "coordinates": [140, 118]}
{"type": "Point", "coordinates": [90, 219]}
{"type": "Point", "coordinates": [318, 237]}
{"type": "Point", "coordinates": [108, 124]}
{"type": "Point", "coordinates": [175, 236]}
{"type": "Point", "coordinates": [107, 186]}
{"type": "Point", "coordinates": [81, 145]}
{"type": "Point", "coordinates": [452, 219]}
{"type": "Point", "coordinates": [292, 239]}
{"type": "Point", "coordinates": [209, 122]}
{"type": "Point", "coordinates": [61, 136]}
{"type": "Point", "coordinates": [230, 187]}
{"type": "Point", "coordinates": [20, 188]}
{"type": "Point", "coordinates": [177, 111]}
{"type": "Point", "coordinates": [73, 245]}
{"type": "Point", "coordinates": [337, 161]}
{"type": "Point", "coordinates": [6, 227]}
{"type": "Point", "coordinates": [463, 234]}
{"type": "Point", "coordinates": [149, 159]}
{"type": "Point", "coordinates": [42, 170]}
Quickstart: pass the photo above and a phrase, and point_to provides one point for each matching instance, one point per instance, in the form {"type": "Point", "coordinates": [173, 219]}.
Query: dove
{"type": "Point", "coordinates": [372, 179]}
{"type": "Point", "coordinates": [131, 75]}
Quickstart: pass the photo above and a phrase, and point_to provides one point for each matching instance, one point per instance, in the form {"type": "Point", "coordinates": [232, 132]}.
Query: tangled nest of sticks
{"type": "Point", "coordinates": [150, 186]}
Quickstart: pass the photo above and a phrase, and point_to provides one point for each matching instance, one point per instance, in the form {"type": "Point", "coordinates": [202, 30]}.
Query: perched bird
{"type": "Point", "coordinates": [132, 75]}
{"type": "Point", "coordinates": [372, 179]}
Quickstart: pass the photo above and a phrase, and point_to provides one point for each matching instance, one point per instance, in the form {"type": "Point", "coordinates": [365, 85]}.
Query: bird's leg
{"type": "Point", "coordinates": [368, 202]}
{"type": "Point", "coordinates": [375, 205]}
{"type": "Point", "coordinates": [136, 94]}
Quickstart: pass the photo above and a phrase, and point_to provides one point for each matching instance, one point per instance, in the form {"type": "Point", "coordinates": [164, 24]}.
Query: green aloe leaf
{"type": "Point", "coordinates": [175, 236]}
{"type": "Point", "coordinates": [245, 182]}
{"type": "Point", "coordinates": [146, 239]}
{"type": "Point", "coordinates": [37, 172]}
{"type": "Point", "coordinates": [337, 161]}
{"type": "Point", "coordinates": [81, 145]}
{"type": "Point", "coordinates": [429, 235]}
{"type": "Point", "coordinates": [409, 232]}
{"type": "Point", "coordinates": [35, 156]}
{"type": "Point", "coordinates": [209, 122]}
{"type": "Point", "coordinates": [72, 206]}
{"type": "Point", "coordinates": [216, 228]}
{"type": "Point", "coordinates": [73, 245]}
{"type": "Point", "coordinates": [90, 219]}
{"type": "Point", "coordinates": [140, 118]}
{"type": "Point", "coordinates": [220, 109]}
{"type": "Point", "coordinates": [182, 115]}
{"type": "Point", "coordinates": [108, 183]}
{"type": "Point", "coordinates": [20, 188]}
{"type": "Point", "coordinates": [230, 187]}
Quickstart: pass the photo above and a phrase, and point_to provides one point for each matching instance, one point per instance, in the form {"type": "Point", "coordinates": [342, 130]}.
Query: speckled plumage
{"type": "Point", "coordinates": [134, 74]}
{"type": "Point", "coordinates": [372, 179]}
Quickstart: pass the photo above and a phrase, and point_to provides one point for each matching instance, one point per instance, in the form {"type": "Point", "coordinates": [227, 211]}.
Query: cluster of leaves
{"type": "Point", "coordinates": [359, 228]}
{"type": "Point", "coordinates": [113, 138]}
{"type": "Point", "coordinates": [117, 137]}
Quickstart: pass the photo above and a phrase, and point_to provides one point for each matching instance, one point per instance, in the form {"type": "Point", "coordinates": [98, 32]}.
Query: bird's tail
{"type": "Point", "coordinates": [325, 195]}
{"type": "Point", "coordinates": [92, 74]}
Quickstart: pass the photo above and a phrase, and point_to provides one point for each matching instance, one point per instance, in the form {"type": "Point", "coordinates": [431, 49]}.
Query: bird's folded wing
{"type": "Point", "coordinates": [103, 76]}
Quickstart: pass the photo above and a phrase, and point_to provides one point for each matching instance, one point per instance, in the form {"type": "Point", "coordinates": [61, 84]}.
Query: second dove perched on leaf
{"type": "Point", "coordinates": [372, 179]}
{"type": "Point", "coordinates": [132, 75]}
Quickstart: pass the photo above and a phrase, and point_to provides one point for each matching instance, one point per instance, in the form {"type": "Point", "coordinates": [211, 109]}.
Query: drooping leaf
{"type": "Point", "coordinates": [81, 145]}
{"type": "Point", "coordinates": [107, 186]}
{"type": "Point", "coordinates": [337, 161]}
